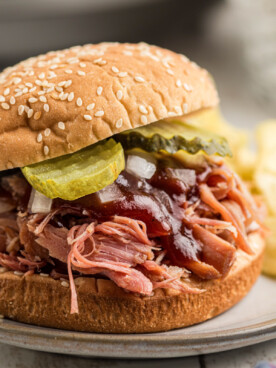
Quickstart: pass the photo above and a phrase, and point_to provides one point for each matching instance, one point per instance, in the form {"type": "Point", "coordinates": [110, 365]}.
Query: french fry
{"type": "Point", "coordinates": [265, 183]}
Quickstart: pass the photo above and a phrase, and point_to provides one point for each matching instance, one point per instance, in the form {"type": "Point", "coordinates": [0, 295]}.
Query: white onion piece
{"type": "Point", "coordinates": [39, 203]}
{"type": "Point", "coordinates": [109, 193]}
{"type": "Point", "coordinates": [140, 167]}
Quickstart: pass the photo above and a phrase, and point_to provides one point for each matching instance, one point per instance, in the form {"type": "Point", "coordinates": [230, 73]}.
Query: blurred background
{"type": "Point", "coordinates": [234, 39]}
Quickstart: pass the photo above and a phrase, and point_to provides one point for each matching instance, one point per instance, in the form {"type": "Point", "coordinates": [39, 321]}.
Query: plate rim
{"type": "Point", "coordinates": [255, 329]}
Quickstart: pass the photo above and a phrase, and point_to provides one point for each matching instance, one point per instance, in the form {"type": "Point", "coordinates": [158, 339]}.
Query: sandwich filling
{"type": "Point", "coordinates": [164, 221]}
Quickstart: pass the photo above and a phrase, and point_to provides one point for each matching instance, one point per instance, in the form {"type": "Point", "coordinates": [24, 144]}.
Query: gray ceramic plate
{"type": "Point", "coordinates": [253, 320]}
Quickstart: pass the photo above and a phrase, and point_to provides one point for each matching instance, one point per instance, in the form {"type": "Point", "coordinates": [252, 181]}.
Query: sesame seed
{"type": "Point", "coordinates": [38, 82]}
{"type": "Point", "coordinates": [184, 58]}
{"type": "Point", "coordinates": [71, 96]}
{"type": "Point", "coordinates": [169, 71]}
{"type": "Point", "coordinates": [178, 83]}
{"type": "Point", "coordinates": [143, 110]}
{"type": "Point", "coordinates": [30, 113]}
{"type": "Point", "coordinates": [139, 79]}
{"type": "Point", "coordinates": [87, 117]}
{"type": "Point", "coordinates": [5, 106]}
{"type": "Point", "coordinates": [18, 94]}
{"type": "Point", "coordinates": [43, 99]}
{"type": "Point", "coordinates": [61, 84]}
{"type": "Point", "coordinates": [82, 65]}
{"type": "Point", "coordinates": [54, 66]}
{"type": "Point", "coordinates": [144, 119]}
{"type": "Point", "coordinates": [102, 62]}
{"type": "Point", "coordinates": [65, 284]}
{"type": "Point", "coordinates": [68, 83]}
{"type": "Point", "coordinates": [18, 273]}
{"type": "Point", "coordinates": [119, 95]}
{"type": "Point", "coordinates": [178, 110]}
{"type": "Point", "coordinates": [52, 75]}
{"type": "Point", "coordinates": [25, 90]}
{"type": "Point", "coordinates": [41, 93]}
{"type": "Point", "coordinates": [20, 109]}
{"type": "Point", "coordinates": [46, 107]}
{"type": "Point", "coordinates": [12, 100]}
{"type": "Point", "coordinates": [44, 274]}
{"type": "Point", "coordinates": [59, 89]}
{"type": "Point", "coordinates": [80, 72]}
{"type": "Point", "coordinates": [32, 89]}
{"type": "Point", "coordinates": [114, 69]}
{"type": "Point", "coordinates": [171, 113]}
{"type": "Point", "coordinates": [68, 71]}
{"type": "Point", "coordinates": [90, 107]}
{"type": "Point", "coordinates": [63, 96]}
{"type": "Point", "coordinates": [187, 87]}
{"type": "Point", "coordinates": [73, 60]}
{"type": "Point", "coordinates": [99, 91]}
{"type": "Point", "coordinates": [17, 80]}
{"type": "Point", "coordinates": [128, 53]}
{"type": "Point", "coordinates": [37, 115]}
{"type": "Point", "coordinates": [99, 113]}
{"type": "Point", "coordinates": [26, 108]}
{"type": "Point", "coordinates": [47, 132]}
{"type": "Point", "coordinates": [32, 100]}
{"type": "Point", "coordinates": [6, 92]}
{"type": "Point", "coordinates": [185, 108]}
{"type": "Point", "coordinates": [29, 85]}
{"type": "Point", "coordinates": [39, 137]}
{"type": "Point", "coordinates": [79, 102]}
{"type": "Point", "coordinates": [119, 123]}
{"type": "Point", "coordinates": [46, 150]}
{"type": "Point", "coordinates": [2, 98]}
{"type": "Point", "coordinates": [41, 76]}
{"type": "Point", "coordinates": [122, 74]}
{"type": "Point", "coordinates": [61, 125]}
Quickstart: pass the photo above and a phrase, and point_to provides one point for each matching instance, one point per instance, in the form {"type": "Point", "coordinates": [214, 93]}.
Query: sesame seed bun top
{"type": "Point", "coordinates": [62, 101]}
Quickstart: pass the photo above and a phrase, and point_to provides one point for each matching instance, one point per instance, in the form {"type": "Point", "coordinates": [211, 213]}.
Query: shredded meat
{"type": "Point", "coordinates": [176, 229]}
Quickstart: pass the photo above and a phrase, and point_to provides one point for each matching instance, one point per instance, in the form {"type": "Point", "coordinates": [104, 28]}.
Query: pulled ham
{"type": "Point", "coordinates": [160, 233]}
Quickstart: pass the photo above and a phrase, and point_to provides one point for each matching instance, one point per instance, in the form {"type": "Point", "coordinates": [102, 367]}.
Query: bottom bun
{"type": "Point", "coordinates": [106, 308]}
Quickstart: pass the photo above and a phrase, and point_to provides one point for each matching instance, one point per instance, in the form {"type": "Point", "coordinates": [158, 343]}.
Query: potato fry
{"type": "Point", "coordinates": [265, 183]}
{"type": "Point", "coordinates": [269, 266]}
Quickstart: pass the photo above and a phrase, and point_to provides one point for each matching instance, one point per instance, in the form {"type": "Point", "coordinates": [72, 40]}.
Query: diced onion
{"type": "Point", "coordinates": [140, 167]}
{"type": "Point", "coordinates": [39, 203]}
{"type": "Point", "coordinates": [109, 193]}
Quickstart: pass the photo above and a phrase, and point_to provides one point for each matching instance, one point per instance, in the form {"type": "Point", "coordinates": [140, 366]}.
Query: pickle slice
{"type": "Point", "coordinates": [172, 136]}
{"type": "Point", "coordinates": [78, 174]}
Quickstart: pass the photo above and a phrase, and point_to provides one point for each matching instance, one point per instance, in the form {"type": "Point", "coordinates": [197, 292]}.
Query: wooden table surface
{"type": "Point", "coordinates": [11, 357]}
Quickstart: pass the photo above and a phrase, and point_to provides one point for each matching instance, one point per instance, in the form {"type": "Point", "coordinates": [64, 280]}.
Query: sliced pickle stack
{"type": "Point", "coordinates": [172, 136]}
{"type": "Point", "coordinates": [78, 174]}
{"type": "Point", "coordinates": [93, 168]}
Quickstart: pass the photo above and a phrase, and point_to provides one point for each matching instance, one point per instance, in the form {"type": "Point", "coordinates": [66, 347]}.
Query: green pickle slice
{"type": "Point", "coordinates": [172, 136]}
{"type": "Point", "coordinates": [78, 174]}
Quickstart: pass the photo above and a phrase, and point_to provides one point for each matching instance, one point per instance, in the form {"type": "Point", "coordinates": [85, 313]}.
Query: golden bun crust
{"type": "Point", "coordinates": [106, 308]}
{"type": "Point", "coordinates": [62, 101]}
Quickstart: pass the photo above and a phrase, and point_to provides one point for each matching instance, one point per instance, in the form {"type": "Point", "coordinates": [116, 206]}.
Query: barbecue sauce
{"type": "Point", "coordinates": [159, 202]}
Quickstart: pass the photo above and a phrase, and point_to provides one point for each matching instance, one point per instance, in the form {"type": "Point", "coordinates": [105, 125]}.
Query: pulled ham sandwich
{"type": "Point", "coordinates": [118, 213]}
